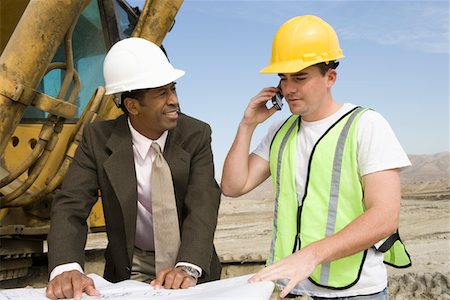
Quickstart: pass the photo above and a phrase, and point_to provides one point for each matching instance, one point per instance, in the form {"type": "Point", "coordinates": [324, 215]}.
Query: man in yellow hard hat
{"type": "Point", "coordinates": [335, 172]}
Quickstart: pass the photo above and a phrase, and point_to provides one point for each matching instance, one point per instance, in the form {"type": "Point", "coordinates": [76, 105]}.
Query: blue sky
{"type": "Point", "coordinates": [396, 61]}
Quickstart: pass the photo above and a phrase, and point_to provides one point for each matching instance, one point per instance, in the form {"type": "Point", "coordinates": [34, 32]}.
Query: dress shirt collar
{"type": "Point", "coordinates": [143, 143]}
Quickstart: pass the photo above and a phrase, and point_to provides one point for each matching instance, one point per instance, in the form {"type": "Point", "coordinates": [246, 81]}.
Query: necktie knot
{"type": "Point", "coordinates": [158, 159]}
{"type": "Point", "coordinates": [155, 146]}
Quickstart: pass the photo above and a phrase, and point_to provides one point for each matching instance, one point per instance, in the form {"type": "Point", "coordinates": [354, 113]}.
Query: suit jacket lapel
{"type": "Point", "coordinates": [120, 170]}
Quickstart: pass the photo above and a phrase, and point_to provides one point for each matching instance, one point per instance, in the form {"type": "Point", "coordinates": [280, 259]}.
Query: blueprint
{"type": "Point", "coordinates": [230, 288]}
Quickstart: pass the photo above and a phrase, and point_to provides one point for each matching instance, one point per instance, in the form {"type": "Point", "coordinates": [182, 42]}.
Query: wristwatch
{"type": "Point", "coordinates": [193, 272]}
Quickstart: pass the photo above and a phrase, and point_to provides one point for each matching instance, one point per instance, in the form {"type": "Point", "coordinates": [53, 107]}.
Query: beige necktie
{"type": "Point", "coordinates": [165, 218]}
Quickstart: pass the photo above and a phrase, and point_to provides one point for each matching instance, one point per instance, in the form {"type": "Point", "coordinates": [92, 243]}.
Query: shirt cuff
{"type": "Point", "coordinates": [181, 263]}
{"type": "Point", "coordinates": [64, 268]}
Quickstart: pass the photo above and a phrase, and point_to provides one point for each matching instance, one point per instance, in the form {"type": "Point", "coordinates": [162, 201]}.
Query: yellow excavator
{"type": "Point", "coordinates": [51, 85]}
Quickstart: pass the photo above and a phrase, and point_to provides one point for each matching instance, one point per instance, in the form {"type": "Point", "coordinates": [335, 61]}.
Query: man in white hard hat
{"type": "Point", "coordinates": [335, 172]}
{"type": "Point", "coordinates": [154, 169]}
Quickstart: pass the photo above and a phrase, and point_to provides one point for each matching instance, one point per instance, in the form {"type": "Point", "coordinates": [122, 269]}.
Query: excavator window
{"type": "Point", "coordinates": [100, 25]}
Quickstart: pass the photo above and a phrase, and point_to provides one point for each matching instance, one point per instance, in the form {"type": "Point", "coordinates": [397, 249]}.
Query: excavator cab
{"type": "Point", "coordinates": [51, 84]}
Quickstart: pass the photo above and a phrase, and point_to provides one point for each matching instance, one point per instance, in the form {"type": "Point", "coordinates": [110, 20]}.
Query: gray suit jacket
{"type": "Point", "coordinates": [104, 162]}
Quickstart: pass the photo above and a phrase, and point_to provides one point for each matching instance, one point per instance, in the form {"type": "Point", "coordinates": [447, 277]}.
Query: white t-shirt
{"type": "Point", "coordinates": [378, 149]}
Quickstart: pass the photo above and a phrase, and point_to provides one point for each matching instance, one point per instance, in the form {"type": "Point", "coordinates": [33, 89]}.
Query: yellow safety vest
{"type": "Point", "coordinates": [333, 198]}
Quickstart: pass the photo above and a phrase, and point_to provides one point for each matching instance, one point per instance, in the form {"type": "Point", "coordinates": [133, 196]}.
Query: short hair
{"type": "Point", "coordinates": [135, 94]}
{"type": "Point", "coordinates": [324, 67]}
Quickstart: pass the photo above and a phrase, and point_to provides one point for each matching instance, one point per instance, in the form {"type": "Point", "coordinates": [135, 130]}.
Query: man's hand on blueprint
{"type": "Point", "coordinates": [174, 278]}
{"type": "Point", "coordinates": [71, 284]}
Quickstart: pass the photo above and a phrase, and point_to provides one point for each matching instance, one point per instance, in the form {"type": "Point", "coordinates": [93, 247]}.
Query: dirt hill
{"type": "Point", "coordinates": [429, 176]}
{"type": "Point", "coordinates": [427, 168]}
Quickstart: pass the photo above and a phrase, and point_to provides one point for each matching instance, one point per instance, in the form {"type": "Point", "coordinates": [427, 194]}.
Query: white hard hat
{"type": "Point", "coordinates": [136, 63]}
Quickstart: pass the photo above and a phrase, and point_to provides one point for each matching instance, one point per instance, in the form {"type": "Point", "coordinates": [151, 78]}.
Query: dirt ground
{"type": "Point", "coordinates": [424, 228]}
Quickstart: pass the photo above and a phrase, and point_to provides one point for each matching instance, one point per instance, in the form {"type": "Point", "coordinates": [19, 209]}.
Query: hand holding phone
{"type": "Point", "coordinates": [277, 99]}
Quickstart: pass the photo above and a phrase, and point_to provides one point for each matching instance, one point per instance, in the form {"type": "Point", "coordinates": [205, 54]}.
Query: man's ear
{"type": "Point", "coordinates": [331, 77]}
{"type": "Point", "coordinates": [131, 105]}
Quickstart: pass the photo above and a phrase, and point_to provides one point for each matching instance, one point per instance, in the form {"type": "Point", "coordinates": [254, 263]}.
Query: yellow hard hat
{"type": "Point", "coordinates": [302, 42]}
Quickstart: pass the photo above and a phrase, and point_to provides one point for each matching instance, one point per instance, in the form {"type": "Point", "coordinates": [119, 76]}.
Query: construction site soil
{"type": "Point", "coordinates": [244, 231]}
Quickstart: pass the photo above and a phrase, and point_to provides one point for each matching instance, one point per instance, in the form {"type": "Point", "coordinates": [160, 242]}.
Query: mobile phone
{"type": "Point", "coordinates": [277, 100]}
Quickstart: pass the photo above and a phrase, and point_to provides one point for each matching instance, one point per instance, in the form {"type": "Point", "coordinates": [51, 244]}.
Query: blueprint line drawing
{"type": "Point", "coordinates": [230, 288]}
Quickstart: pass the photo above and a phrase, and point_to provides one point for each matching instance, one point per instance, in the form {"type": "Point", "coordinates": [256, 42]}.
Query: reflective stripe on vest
{"type": "Point", "coordinates": [334, 179]}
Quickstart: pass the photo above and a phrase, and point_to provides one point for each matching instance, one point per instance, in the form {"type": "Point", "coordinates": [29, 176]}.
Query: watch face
{"type": "Point", "coordinates": [191, 271]}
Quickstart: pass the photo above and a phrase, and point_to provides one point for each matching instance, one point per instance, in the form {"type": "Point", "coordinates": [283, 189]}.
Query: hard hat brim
{"type": "Point", "coordinates": [293, 66]}
{"type": "Point", "coordinates": [144, 84]}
